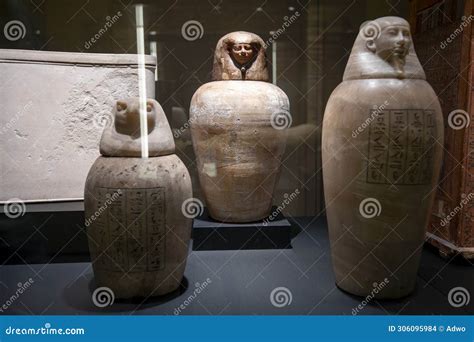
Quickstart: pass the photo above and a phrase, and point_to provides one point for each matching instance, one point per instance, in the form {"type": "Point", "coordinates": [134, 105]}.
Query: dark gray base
{"type": "Point", "coordinates": [209, 234]}
{"type": "Point", "coordinates": [239, 282]}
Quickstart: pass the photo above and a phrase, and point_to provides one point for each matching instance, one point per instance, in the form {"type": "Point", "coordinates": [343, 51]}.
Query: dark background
{"type": "Point", "coordinates": [311, 57]}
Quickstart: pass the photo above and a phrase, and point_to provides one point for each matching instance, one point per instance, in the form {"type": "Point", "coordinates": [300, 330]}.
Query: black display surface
{"type": "Point", "coordinates": [297, 281]}
{"type": "Point", "coordinates": [209, 235]}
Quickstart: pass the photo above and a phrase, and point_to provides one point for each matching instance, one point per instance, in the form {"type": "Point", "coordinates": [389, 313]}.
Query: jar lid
{"type": "Point", "coordinates": [384, 49]}
{"type": "Point", "coordinates": [121, 138]}
{"type": "Point", "coordinates": [240, 56]}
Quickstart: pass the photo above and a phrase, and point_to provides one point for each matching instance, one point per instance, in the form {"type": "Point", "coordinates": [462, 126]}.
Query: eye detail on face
{"type": "Point", "coordinates": [121, 106]}
{"type": "Point", "coordinates": [397, 31]}
{"type": "Point", "coordinates": [127, 117]}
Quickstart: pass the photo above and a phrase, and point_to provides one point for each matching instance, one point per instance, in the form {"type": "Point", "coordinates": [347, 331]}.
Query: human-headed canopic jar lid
{"type": "Point", "coordinates": [384, 49]}
{"type": "Point", "coordinates": [240, 56]}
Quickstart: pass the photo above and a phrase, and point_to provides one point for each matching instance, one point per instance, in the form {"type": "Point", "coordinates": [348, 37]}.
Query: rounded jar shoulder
{"type": "Point", "coordinates": [139, 172]}
{"type": "Point", "coordinates": [246, 96]}
{"type": "Point", "coordinates": [381, 94]}
{"type": "Point", "coordinates": [384, 90]}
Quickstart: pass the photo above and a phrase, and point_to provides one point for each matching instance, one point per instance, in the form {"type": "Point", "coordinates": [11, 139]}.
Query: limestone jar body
{"type": "Point", "coordinates": [238, 150]}
{"type": "Point", "coordinates": [138, 235]}
{"type": "Point", "coordinates": [380, 170]}
{"type": "Point", "coordinates": [139, 239]}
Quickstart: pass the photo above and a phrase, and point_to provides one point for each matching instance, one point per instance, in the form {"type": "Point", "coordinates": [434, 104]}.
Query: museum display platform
{"type": "Point", "coordinates": [210, 235]}
{"type": "Point", "coordinates": [237, 281]}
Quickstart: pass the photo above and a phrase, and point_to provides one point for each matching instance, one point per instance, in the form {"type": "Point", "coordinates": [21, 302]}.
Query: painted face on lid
{"type": "Point", "coordinates": [242, 53]}
{"type": "Point", "coordinates": [240, 56]}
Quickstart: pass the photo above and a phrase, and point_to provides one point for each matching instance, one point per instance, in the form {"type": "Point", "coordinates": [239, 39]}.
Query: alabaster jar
{"type": "Point", "coordinates": [239, 129]}
{"type": "Point", "coordinates": [381, 147]}
{"type": "Point", "coordinates": [138, 236]}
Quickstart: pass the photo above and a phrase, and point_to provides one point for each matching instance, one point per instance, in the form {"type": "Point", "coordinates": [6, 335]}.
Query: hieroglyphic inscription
{"type": "Point", "coordinates": [131, 229]}
{"type": "Point", "coordinates": [401, 147]}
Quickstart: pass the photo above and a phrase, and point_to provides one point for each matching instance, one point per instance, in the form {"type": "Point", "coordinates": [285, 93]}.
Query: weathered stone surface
{"type": "Point", "coordinates": [55, 105]}
{"type": "Point", "coordinates": [122, 137]}
{"type": "Point", "coordinates": [238, 151]}
{"type": "Point", "coordinates": [138, 232]}
{"type": "Point", "coordinates": [239, 130]}
{"type": "Point", "coordinates": [139, 242]}
{"type": "Point", "coordinates": [381, 147]}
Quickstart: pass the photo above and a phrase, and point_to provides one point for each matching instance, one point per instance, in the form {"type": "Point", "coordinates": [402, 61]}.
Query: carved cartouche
{"type": "Point", "coordinates": [240, 56]}
{"type": "Point", "coordinates": [122, 137]}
